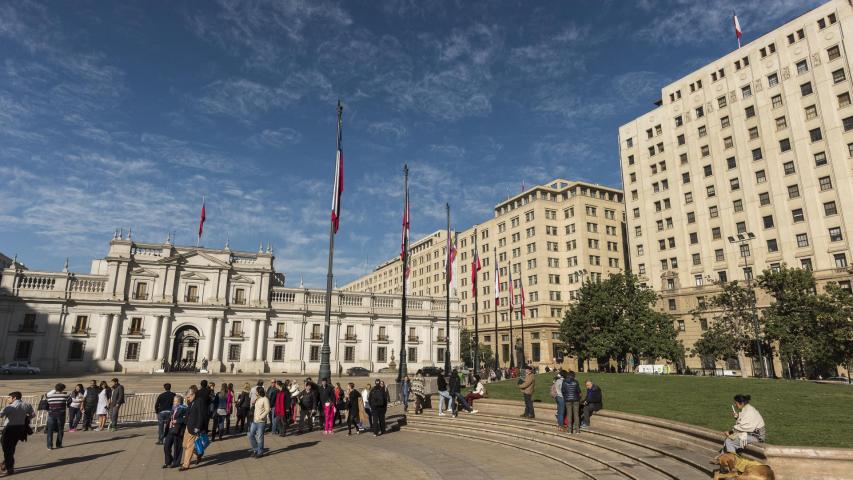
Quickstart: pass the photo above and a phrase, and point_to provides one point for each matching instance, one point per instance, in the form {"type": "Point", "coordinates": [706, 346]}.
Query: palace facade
{"type": "Point", "coordinates": [147, 307]}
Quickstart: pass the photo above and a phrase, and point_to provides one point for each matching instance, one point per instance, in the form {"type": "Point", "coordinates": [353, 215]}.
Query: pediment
{"type": "Point", "coordinates": [193, 276]}
{"type": "Point", "coordinates": [241, 279]}
{"type": "Point", "coordinates": [141, 272]}
{"type": "Point", "coordinates": [195, 258]}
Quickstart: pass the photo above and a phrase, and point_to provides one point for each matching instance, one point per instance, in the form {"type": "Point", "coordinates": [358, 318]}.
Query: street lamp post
{"type": "Point", "coordinates": [741, 240]}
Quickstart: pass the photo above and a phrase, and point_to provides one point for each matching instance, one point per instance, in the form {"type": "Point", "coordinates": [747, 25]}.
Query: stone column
{"type": "Point", "coordinates": [165, 335]}
{"type": "Point", "coordinates": [211, 337]}
{"type": "Point", "coordinates": [262, 340]}
{"type": "Point", "coordinates": [155, 338]}
{"type": "Point", "coordinates": [113, 341]}
{"type": "Point", "coordinates": [217, 347]}
{"type": "Point", "coordinates": [103, 336]}
{"type": "Point", "coordinates": [253, 345]}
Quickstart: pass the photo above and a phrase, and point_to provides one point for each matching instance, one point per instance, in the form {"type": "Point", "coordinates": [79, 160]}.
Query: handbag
{"type": "Point", "coordinates": [201, 443]}
{"type": "Point", "coordinates": [43, 405]}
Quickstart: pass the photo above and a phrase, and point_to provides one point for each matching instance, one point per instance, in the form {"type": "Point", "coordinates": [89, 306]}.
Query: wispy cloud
{"type": "Point", "coordinates": [278, 138]}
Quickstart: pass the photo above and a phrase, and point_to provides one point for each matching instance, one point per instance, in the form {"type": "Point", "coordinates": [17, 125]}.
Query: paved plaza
{"type": "Point", "coordinates": [131, 453]}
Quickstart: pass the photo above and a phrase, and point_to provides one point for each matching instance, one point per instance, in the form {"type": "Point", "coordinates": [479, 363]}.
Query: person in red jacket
{"type": "Point", "coordinates": [282, 407]}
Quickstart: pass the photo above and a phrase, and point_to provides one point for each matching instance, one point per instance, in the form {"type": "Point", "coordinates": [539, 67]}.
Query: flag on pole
{"type": "Point", "coordinates": [738, 32]}
{"type": "Point", "coordinates": [475, 267]}
{"type": "Point", "coordinates": [404, 236]}
{"type": "Point", "coordinates": [522, 297]}
{"type": "Point", "coordinates": [339, 178]}
{"type": "Point", "coordinates": [451, 257]}
{"type": "Point", "coordinates": [511, 290]}
{"type": "Point", "coordinates": [497, 285]}
{"type": "Point", "coordinates": [201, 220]}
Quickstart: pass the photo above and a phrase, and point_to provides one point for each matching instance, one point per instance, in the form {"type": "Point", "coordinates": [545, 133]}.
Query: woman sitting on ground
{"type": "Point", "coordinates": [749, 427]}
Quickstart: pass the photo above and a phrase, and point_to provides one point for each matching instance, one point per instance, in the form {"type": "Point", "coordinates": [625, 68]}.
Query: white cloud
{"type": "Point", "coordinates": [277, 138]}
{"type": "Point", "coordinates": [393, 130]}
{"type": "Point", "coordinates": [453, 151]}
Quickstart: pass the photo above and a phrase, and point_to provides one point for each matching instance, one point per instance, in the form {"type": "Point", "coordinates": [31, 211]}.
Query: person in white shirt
{"type": "Point", "coordinates": [749, 427]}
{"type": "Point", "coordinates": [256, 430]}
{"type": "Point", "coordinates": [479, 392]}
{"type": "Point", "coordinates": [364, 394]}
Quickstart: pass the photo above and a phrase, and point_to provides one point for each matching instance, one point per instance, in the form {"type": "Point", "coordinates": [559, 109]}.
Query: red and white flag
{"type": "Point", "coordinates": [497, 285]}
{"type": "Point", "coordinates": [522, 297]}
{"type": "Point", "coordinates": [475, 268]}
{"type": "Point", "coordinates": [404, 236]}
{"type": "Point", "coordinates": [511, 290]}
{"type": "Point", "coordinates": [738, 32]}
{"type": "Point", "coordinates": [338, 190]}
{"type": "Point", "coordinates": [451, 257]}
{"type": "Point", "coordinates": [201, 220]}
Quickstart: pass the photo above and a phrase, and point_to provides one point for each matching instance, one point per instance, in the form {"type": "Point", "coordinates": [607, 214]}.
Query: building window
{"type": "Point", "coordinates": [23, 350]}
{"type": "Point", "coordinates": [802, 240]}
{"type": "Point", "coordinates": [788, 168]}
{"type": "Point", "coordinates": [681, 326]}
{"type": "Point", "coordinates": [844, 100]}
{"type": "Point", "coordinates": [825, 183]}
{"type": "Point", "coordinates": [835, 234]}
{"type": "Point", "coordinates": [81, 325]}
{"type": "Point", "coordinates": [819, 159]}
{"type": "Point", "coordinates": [671, 302]}
{"type": "Point", "coordinates": [749, 111]}
{"type": "Point", "coordinates": [131, 353]}
{"type": "Point", "coordinates": [700, 112]}
{"type": "Point", "coordinates": [724, 122]}
{"type": "Point", "coordinates": [764, 198]}
{"type": "Point", "coordinates": [381, 354]}
{"type": "Point", "coordinates": [314, 353]}
{"type": "Point", "coordinates": [768, 221]}
{"type": "Point", "coordinates": [233, 352]}
{"type": "Point", "coordinates": [413, 355]}
{"type": "Point", "coordinates": [815, 135]}
{"type": "Point", "coordinates": [713, 211]}
{"type": "Point", "coordinates": [141, 291]}
{"type": "Point", "coordinates": [772, 80]}
{"type": "Point", "coordinates": [349, 354]}
{"type": "Point", "coordinates": [781, 123]}
{"type": "Point", "coordinates": [797, 215]}
{"type": "Point", "coordinates": [833, 52]}
{"type": "Point", "coordinates": [738, 205]}
{"type": "Point", "coordinates": [793, 191]}
{"type": "Point", "coordinates": [840, 260]}
{"type": "Point", "coordinates": [777, 101]}
{"type": "Point", "coordinates": [278, 353]}
{"type": "Point", "coordinates": [848, 124]}
{"type": "Point", "coordinates": [75, 350]}
{"type": "Point", "coordinates": [806, 264]}
{"type": "Point", "coordinates": [806, 89]}
{"type": "Point", "coordinates": [756, 154]}
{"type": "Point", "coordinates": [719, 256]}
{"type": "Point", "coordinates": [838, 76]}
{"type": "Point", "coordinates": [772, 246]}
{"type": "Point", "coordinates": [760, 176]}
{"type": "Point", "coordinates": [784, 145]}
{"type": "Point", "coordinates": [240, 296]}
{"type": "Point", "coordinates": [829, 208]}
{"type": "Point", "coordinates": [192, 293]}
{"type": "Point", "coordinates": [802, 67]}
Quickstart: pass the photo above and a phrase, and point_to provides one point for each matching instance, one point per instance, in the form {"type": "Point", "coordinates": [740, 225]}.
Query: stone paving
{"type": "Point", "coordinates": [131, 453]}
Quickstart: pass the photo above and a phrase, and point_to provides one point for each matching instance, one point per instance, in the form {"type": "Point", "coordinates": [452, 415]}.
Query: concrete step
{"type": "Point", "coordinates": [629, 460]}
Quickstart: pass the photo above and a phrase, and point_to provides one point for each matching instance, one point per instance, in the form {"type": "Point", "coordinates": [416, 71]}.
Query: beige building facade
{"type": "Point", "coordinates": [746, 164]}
{"type": "Point", "coordinates": [157, 306]}
{"type": "Point", "coordinates": [551, 237]}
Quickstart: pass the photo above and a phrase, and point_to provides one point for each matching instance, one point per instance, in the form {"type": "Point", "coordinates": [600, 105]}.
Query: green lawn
{"type": "Point", "coordinates": [796, 412]}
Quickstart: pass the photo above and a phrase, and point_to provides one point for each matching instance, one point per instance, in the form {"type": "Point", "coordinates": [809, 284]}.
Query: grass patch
{"type": "Point", "coordinates": [796, 412]}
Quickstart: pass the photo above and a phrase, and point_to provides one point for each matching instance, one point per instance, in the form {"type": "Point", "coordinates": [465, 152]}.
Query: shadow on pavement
{"type": "Point", "coordinates": [243, 454]}
{"type": "Point", "coordinates": [110, 439]}
{"type": "Point", "coordinates": [65, 461]}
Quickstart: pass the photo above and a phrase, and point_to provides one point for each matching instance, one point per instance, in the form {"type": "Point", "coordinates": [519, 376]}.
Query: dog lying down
{"type": "Point", "coordinates": [741, 468]}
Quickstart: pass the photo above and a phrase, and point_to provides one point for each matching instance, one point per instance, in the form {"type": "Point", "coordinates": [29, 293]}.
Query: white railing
{"type": "Point", "coordinates": [283, 297]}
{"type": "Point", "coordinates": [238, 259]}
{"type": "Point", "coordinates": [154, 252]}
{"type": "Point", "coordinates": [349, 300]}
{"type": "Point", "coordinates": [383, 302]}
{"type": "Point", "coordinates": [32, 282]}
{"type": "Point", "coordinates": [88, 286]}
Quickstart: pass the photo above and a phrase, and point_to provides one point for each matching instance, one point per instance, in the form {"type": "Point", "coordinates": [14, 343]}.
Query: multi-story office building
{"type": "Point", "coordinates": [757, 142]}
{"type": "Point", "coordinates": [151, 306]}
{"type": "Point", "coordinates": [427, 258]}
{"type": "Point", "coordinates": [552, 237]}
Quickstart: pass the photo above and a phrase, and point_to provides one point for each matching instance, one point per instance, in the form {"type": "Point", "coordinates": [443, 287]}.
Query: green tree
{"type": "Point", "coordinates": [732, 329]}
{"type": "Point", "coordinates": [799, 319]}
{"type": "Point", "coordinates": [839, 326]}
{"type": "Point", "coordinates": [466, 344]}
{"type": "Point", "coordinates": [717, 342]}
{"type": "Point", "coordinates": [616, 318]}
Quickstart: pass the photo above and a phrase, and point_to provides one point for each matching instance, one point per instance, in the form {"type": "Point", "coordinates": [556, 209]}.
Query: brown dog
{"type": "Point", "coordinates": [740, 468]}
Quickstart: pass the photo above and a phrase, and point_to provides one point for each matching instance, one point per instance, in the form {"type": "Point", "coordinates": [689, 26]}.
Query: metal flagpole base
{"type": "Point", "coordinates": [325, 366]}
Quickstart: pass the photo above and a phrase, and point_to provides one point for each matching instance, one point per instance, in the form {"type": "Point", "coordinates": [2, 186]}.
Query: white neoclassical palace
{"type": "Point", "coordinates": [146, 307]}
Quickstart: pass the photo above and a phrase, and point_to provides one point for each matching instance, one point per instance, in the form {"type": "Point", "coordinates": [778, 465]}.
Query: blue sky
{"type": "Point", "coordinates": [122, 114]}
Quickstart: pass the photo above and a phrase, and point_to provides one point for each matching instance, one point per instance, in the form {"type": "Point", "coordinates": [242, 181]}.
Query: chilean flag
{"type": "Point", "coordinates": [338, 190]}
{"type": "Point", "coordinates": [451, 257]}
{"type": "Point", "coordinates": [201, 220]}
{"type": "Point", "coordinates": [475, 267]}
{"type": "Point", "coordinates": [738, 32]}
{"type": "Point", "coordinates": [404, 237]}
{"type": "Point", "coordinates": [497, 285]}
{"type": "Point", "coordinates": [511, 290]}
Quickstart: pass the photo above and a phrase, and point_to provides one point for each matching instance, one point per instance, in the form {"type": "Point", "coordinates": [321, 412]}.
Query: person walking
{"type": "Point", "coordinates": [571, 396]}
{"type": "Point", "coordinates": [57, 403]}
{"type": "Point", "coordinates": [478, 392]}
{"type": "Point", "coordinates": [443, 394]}
{"type": "Point", "coordinates": [591, 403]}
{"type": "Point", "coordinates": [244, 402]}
{"type": "Point", "coordinates": [271, 393]}
{"type": "Point", "coordinates": [417, 390]}
{"type": "Point", "coordinates": [327, 403]}
{"type": "Point", "coordinates": [455, 389]}
{"type": "Point", "coordinates": [256, 431]}
{"type": "Point", "coordinates": [405, 390]}
{"type": "Point", "coordinates": [16, 417]}
{"type": "Point", "coordinates": [90, 405]}
{"type": "Point", "coordinates": [116, 401]}
{"type": "Point", "coordinates": [103, 407]}
{"type": "Point", "coordinates": [163, 410]}
{"type": "Point", "coordinates": [175, 426]}
{"type": "Point", "coordinates": [526, 386]}
{"type": "Point", "coordinates": [196, 423]}
{"type": "Point", "coordinates": [378, 405]}
{"type": "Point", "coordinates": [557, 395]}
{"type": "Point", "coordinates": [354, 407]}
{"type": "Point", "coordinates": [203, 398]}
{"type": "Point", "coordinates": [75, 407]}
{"type": "Point", "coordinates": [340, 405]}
{"type": "Point", "coordinates": [365, 394]}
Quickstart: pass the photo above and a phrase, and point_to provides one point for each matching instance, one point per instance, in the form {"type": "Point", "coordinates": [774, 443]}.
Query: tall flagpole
{"type": "Point", "coordinates": [402, 372]}
{"type": "Point", "coordinates": [325, 351]}
{"type": "Point", "coordinates": [511, 341]}
{"type": "Point", "coordinates": [497, 337]}
{"type": "Point", "coordinates": [523, 359]}
{"type": "Point", "coordinates": [475, 275]}
{"type": "Point", "coordinates": [448, 269]}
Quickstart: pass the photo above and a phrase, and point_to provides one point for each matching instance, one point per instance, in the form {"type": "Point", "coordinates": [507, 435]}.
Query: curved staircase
{"type": "Point", "coordinates": [616, 447]}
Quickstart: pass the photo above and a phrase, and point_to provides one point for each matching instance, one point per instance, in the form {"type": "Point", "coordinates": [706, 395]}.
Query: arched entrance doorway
{"type": "Point", "coordinates": [185, 350]}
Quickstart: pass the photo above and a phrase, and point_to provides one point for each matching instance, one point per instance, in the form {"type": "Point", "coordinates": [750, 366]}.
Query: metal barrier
{"type": "Point", "coordinates": [139, 407]}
